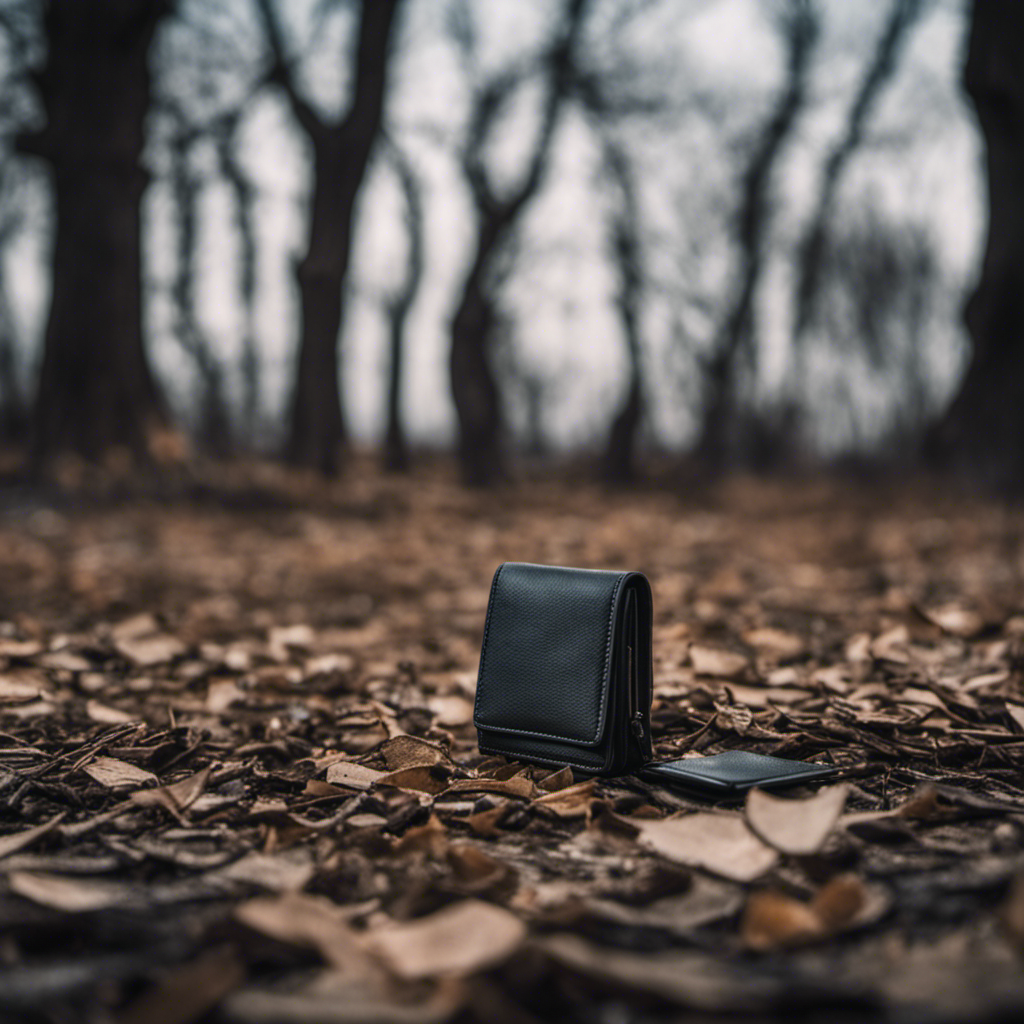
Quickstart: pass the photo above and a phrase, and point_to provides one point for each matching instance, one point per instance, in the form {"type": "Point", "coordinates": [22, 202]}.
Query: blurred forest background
{"type": "Point", "coordinates": [714, 233]}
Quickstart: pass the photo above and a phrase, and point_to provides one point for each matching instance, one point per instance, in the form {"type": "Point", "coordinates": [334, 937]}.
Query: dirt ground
{"type": "Point", "coordinates": [239, 781]}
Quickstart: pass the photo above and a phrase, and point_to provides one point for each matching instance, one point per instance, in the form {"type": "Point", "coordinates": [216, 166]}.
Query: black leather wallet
{"type": "Point", "coordinates": [565, 668]}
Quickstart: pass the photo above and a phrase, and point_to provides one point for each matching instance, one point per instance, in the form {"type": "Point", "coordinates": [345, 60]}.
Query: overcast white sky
{"type": "Point", "coordinates": [921, 166]}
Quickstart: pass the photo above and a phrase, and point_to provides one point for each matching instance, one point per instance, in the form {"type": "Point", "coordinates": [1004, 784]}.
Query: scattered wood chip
{"type": "Point", "coordinates": [115, 774]}
{"type": "Point", "coordinates": [353, 776]}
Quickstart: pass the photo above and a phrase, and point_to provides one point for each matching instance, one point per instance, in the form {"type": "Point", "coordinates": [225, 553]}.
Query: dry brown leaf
{"type": "Point", "coordinates": [795, 826]}
{"type": "Point", "coordinates": [956, 620]}
{"type": "Point", "coordinates": [147, 651]}
{"type": "Point", "coordinates": [221, 694]}
{"type": "Point", "coordinates": [718, 842]}
{"type": "Point", "coordinates": [431, 839]}
{"type": "Point", "coordinates": [517, 786]}
{"type": "Point", "coordinates": [311, 921]}
{"type": "Point", "coordinates": [714, 661]}
{"type": "Point", "coordinates": [61, 892]}
{"type": "Point", "coordinates": [175, 798]}
{"type": "Point", "coordinates": [107, 715]}
{"type": "Point", "coordinates": [478, 873]}
{"type": "Point", "coordinates": [115, 774]}
{"type": "Point", "coordinates": [772, 920]}
{"type": "Point", "coordinates": [451, 711]}
{"type": "Point", "coordinates": [284, 871]}
{"type": "Point", "coordinates": [420, 779]}
{"type": "Point", "coordinates": [411, 752]}
{"type": "Point", "coordinates": [15, 841]}
{"type": "Point", "coordinates": [23, 686]}
{"type": "Point", "coordinates": [838, 903]}
{"type": "Point", "coordinates": [561, 779]}
{"type": "Point", "coordinates": [1016, 712]}
{"type": "Point", "coordinates": [572, 802]}
{"type": "Point", "coordinates": [353, 776]}
{"type": "Point", "coordinates": [775, 643]}
{"type": "Point", "coordinates": [458, 940]}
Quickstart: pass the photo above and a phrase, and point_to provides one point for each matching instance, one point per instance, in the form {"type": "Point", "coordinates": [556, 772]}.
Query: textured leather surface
{"type": "Point", "coordinates": [553, 685]}
{"type": "Point", "coordinates": [739, 767]}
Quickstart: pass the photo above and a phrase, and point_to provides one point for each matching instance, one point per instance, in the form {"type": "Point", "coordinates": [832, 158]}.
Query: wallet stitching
{"type": "Point", "coordinates": [604, 673]}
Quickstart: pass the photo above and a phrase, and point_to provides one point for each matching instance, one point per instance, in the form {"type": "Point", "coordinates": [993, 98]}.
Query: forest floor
{"type": "Point", "coordinates": [239, 781]}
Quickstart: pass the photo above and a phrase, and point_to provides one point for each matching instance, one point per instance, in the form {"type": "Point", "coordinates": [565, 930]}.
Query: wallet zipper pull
{"type": "Point", "coordinates": [638, 725]}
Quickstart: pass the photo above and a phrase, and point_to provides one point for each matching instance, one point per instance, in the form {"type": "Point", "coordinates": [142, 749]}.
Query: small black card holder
{"type": "Point", "coordinates": [565, 668]}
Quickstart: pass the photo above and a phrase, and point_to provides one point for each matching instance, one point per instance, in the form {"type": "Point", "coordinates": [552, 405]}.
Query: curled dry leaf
{"type": "Point", "coordinates": [458, 940]}
{"type": "Point", "coordinates": [795, 826]}
{"type": "Point", "coordinates": [714, 661]}
{"type": "Point", "coordinates": [115, 774]}
{"type": "Point", "coordinates": [773, 920]}
{"type": "Point", "coordinates": [310, 921]}
{"type": "Point", "coordinates": [177, 797]}
{"type": "Point", "coordinates": [718, 842]}
{"type": "Point", "coordinates": [571, 802]}
{"type": "Point", "coordinates": [411, 752]}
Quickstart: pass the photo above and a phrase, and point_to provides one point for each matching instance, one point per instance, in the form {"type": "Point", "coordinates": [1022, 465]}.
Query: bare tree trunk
{"type": "Point", "coordinates": [620, 451]}
{"type": "Point", "coordinates": [877, 73]}
{"type": "Point", "coordinates": [396, 448]}
{"type": "Point", "coordinates": [96, 390]}
{"type": "Point", "coordinates": [983, 429]}
{"type": "Point", "coordinates": [718, 442]}
{"type": "Point", "coordinates": [475, 390]}
{"type": "Point", "coordinates": [214, 427]}
{"type": "Point", "coordinates": [341, 153]}
{"type": "Point", "coordinates": [244, 195]}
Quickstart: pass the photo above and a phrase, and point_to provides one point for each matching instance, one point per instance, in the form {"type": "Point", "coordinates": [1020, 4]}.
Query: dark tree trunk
{"type": "Point", "coordinates": [475, 390]}
{"type": "Point", "coordinates": [341, 153]}
{"type": "Point", "coordinates": [620, 452]}
{"type": "Point", "coordinates": [983, 430]}
{"type": "Point", "coordinates": [96, 391]}
{"type": "Point", "coordinates": [719, 443]}
{"type": "Point", "coordinates": [877, 74]}
{"type": "Point", "coordinates": [474, 386]}
{"type": "Point", "coordinates": [396, 447]}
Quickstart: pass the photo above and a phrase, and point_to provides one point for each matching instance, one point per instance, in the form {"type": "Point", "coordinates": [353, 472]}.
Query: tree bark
{"type": "Point", "coordinates": [982, 432]}
{"type": "Point", "coordinates": [620, 451]}
{"type": "Point", "coordinates": [475, 390]}
{"type": "Point", "coordinates": [396, 447]}
{"type": "Point", "coordinates": [341, 153]}
{"type": "Point", "coordinates": [718, 443]}
{"type": "Point", "coordinates": [96, 391]}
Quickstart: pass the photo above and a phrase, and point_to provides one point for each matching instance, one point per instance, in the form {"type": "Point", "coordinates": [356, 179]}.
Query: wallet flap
{"type": "Point", "coordinates": [545, 662]}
